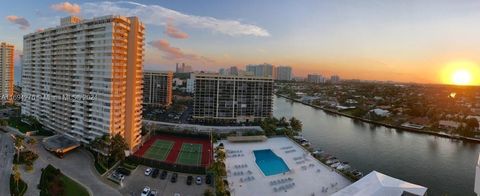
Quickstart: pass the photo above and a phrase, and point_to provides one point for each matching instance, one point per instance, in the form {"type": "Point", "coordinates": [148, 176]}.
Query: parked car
{"type": "Point", "coordinates": [123, 171]}
{"type": "Point", "coordinates": [148, 171]}
{"type": "Point", "coordinates": [153, 193]}
{"type": "Point", "coordinates": [155, 172]}
{"type": "Point", "coordinates": [198, 180]}
{"type": "Point", "coordinates": [146, 191]}
{"type": "Point", "coordinates": [208, 179]}
{"type": "Point", "coordinates": [174, 178]}
{"type": "Point", "coordinates": [118, 176]}
{"type": "Point", "coordinates": [163, 175]}
{"type": "Point", "coordinates": [189, 180]}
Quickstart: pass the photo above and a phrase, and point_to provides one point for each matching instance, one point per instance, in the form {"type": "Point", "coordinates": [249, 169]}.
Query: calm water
{"type": "Point", "coordinates": [444, 166]}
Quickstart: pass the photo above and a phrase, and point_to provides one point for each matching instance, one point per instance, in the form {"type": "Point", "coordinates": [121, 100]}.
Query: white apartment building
{"type": "Point", "coordinates": [315, 78]}
{"type": "Point", "coordinates": [232, 98]}
{"type": "Point", "coordinates": [262, 70]}
{"type": "Point", "coordinates": [84, 77]}
{"type": "Point", "coordinates": [190, 87]}
{"type": "Point", "coordinates": [6, 72]}
{"type": "Point", "coordinates": [158, 87]}
{"type": "Point", "coordinates": [284, 73]}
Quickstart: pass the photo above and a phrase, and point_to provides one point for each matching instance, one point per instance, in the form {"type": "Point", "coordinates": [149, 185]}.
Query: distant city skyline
{"type": "Point", "coordinates": [406, 41]}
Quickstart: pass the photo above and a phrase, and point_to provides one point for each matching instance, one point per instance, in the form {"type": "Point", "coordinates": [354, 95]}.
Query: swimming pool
{"type": "Point", "coordinates": [269, 162]}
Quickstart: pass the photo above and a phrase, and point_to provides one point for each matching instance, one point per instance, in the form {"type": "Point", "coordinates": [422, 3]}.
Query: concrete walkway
{"type": "Point", "coordinates": [6, 158]}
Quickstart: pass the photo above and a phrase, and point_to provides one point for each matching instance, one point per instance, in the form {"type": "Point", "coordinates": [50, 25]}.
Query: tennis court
{"type": "Point", "coordinates": [159, 150]}
{"type": "Point", "coordinates": [190, 154]}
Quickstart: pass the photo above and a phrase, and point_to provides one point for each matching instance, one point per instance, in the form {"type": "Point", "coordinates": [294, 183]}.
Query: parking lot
{"type": "Point", "coordinates": [134, 184]}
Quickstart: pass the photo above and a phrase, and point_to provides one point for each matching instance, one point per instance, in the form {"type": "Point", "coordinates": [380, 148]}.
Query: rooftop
{"type": "Point", "coordinates": [307, 176]}
{"type": "Point", "coordinates": [60, 143]}
{"type": "Point", "coordinates": [378, 184]}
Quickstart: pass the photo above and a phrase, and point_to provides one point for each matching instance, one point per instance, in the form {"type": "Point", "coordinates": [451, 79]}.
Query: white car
{"type": "Point", "coordinates": [146, 191]}
{"type": "Point", "coordinates": [198, 180]}
{"type": "Point", "coordinates": [148, 171]}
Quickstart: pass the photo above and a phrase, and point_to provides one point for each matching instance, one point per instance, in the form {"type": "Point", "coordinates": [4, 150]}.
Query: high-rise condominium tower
{"type": "Point", "coordinates": [6, 72]}
{"type": "Point", "coordinates": [262, 70]}
{"type": "Point", "coordinates": [284, 73]}
{"type": "Point", "coordinates": [157, 87]}
{"type": "Point", "coordinates": [232, 98]}
{"type": "Point", "coordinates": [89, 76]}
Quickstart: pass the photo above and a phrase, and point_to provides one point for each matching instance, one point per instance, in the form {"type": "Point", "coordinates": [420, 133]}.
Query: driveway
{"type": "Point", "coordinates": [77, 165]}
{"type": "Point", "coordinates": [6, 156]}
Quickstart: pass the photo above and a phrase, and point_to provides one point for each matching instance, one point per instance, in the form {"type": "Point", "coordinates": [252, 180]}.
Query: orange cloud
{"type": "Point", "coordinates": [173, 32]}
{"type": "Point", "coordinates": [68, 7]}
{"type": "Point", "coordinates": [174, 53]}
{"type": "Point", "coordinates": [22, 22]}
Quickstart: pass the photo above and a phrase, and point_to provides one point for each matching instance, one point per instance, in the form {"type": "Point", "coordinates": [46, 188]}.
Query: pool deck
{"type": "Point", "coordinates": [308, 174]}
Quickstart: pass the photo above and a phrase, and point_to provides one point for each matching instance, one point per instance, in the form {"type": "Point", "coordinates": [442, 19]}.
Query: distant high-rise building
{"type": "Point", "coordinates": [183, 68]}
{"type": "Point", "coordinates": [230, 71]}
{"type": "Point", "coordinates": [284, 73]}
{"type": "Point", "coordinates": [157, 87]}
{"type": "Point", "coordinates": [315, 78]}
{"type": "Point", "coordinates": [234, 71]}
{"type": "Point", "coordinates": [6, 72]}
{"type": "Point", "coordinates": [89, 73]}
{"type": "Point", "coordinates": [222, 71]}
{"type": "Point", "coordinates": [190, 87]}
{"type": "Point", "coordinates": [335, 79]}
{"type": "Point", "coordinates": [262, 70]}
{"type": "Point", "coordinates": [232, 98]}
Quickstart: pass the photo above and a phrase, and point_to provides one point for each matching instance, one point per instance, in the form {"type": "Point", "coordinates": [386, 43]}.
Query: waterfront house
{"type": "Point", "coordinates": [449, 125]}
{"type": "Point", "coordinates": [380, 112]}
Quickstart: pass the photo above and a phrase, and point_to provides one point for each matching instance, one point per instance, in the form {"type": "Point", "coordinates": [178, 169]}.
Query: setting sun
{"type": "Point", "coordinates": [461, 73]}
{"type": "Point", "coordinates": [462, 77]}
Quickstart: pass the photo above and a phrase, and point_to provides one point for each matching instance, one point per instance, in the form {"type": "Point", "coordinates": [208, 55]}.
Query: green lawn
{"type": "Point", "coordinates": [190, 154]}
{"type": "Point", "coordinates": [72, 188]}
{"type": "Point", "coordinates": [53, 182]}
{"type": "Point", "coordinates": [159, 150]}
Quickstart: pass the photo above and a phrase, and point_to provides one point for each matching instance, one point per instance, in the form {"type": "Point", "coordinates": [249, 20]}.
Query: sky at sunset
{"type": "Point", "coordinates": [408, 40]}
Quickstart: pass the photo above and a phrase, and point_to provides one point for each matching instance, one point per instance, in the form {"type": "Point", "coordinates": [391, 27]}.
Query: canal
{"type": "Point", "coordinates": [443, 165]}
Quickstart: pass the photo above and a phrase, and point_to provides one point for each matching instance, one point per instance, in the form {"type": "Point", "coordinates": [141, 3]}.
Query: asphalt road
{"type": "Point", "coordinates": [77, 165]}
{"type": "Point", "coordinates": [6, 158]}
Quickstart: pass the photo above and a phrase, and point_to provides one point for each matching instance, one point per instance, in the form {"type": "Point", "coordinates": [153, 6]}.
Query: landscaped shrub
{"type": "Point", "coordinates": [26, 157]}
{"type": "Point", "coordinates": [17, 191]}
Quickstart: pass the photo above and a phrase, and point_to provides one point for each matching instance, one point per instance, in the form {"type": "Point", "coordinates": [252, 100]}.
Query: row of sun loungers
{"type": "Point", "coordinates": [238, 173]}
{"type": "Point", "coordinates": [234, 151]}
{"type": "Point", "coordinates": [280, 181]}
{"type": "Point", "coordinates": [247, 179]}
{"type": "Point", "coordinates": [284, 187]}
{"type": "Point", "coordinates": [333, 184]}
{"type": "Point", "coordinates": [290, 151]}
{"type": "Point", "coordinates": [286, 147]}
{"type": "Point", "coordinates": [324, 189]}
{"type": "Point", "coordinates": [297, 158]}
{"type": "Point", "coordinates": [300, 162]}
{"type": "Point", "coordinates": [235, 155]}
{"type": "Point", "coordinates": [240, 166]}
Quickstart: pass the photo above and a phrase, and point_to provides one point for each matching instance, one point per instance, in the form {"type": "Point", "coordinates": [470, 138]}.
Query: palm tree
{"type": "Point", "coordinates": [117, 148]}
{"type": "Point", "coordinates": [18, 145]}
{"type": "Point", "coordinates": [16, 175]}
{"type": "Point", "coordinates": [32, 143]}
